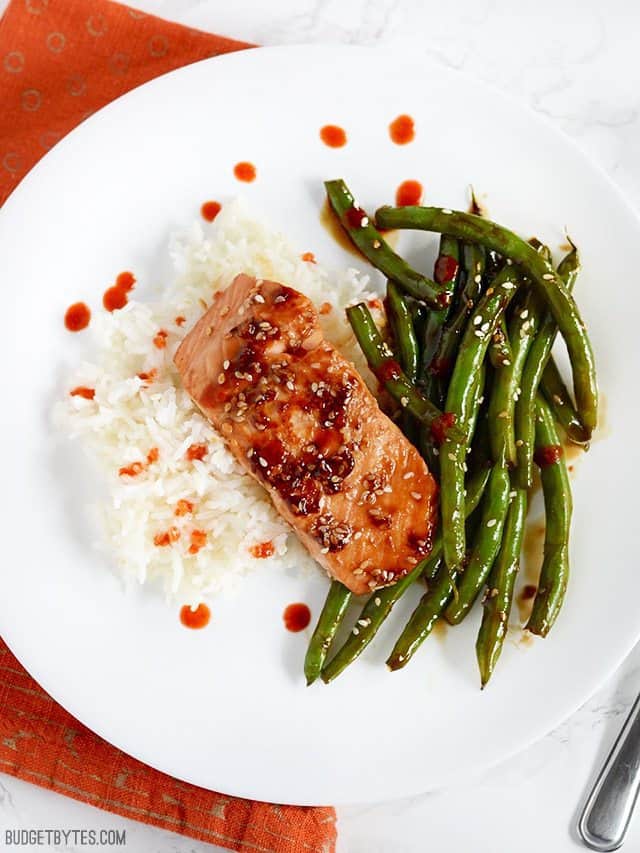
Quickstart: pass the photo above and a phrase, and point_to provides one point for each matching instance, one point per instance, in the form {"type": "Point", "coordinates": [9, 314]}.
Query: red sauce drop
{"type": "Point", "coordinates": [296, 617]}
{"type": "Point", "coordinates": [309, 257]}
{"type": "Point", "coordinates": [333, 136]}
{"type": "Point", "coordinates": [114, 298]}
{"type": "Point", "coordinates": [77, 317]}
{"type": "Point", "coordinates": [183, 507]}
{"type": "Point", "coordinates": [149, 376]}
{"type": "Point", "coordinates": [210, 209]}
{"type": "Point", "coordinates": [196, 451]}
{"type": "Point", "coordinates": [375, 303]}
{"type": "Point", "coordinates": [81, 391]}
{"type": "Point", "coordinates": [528, 592]}
{"type": "Point", "coordinates": [441, 425]}
{"type": "Point", "coordinates": [389, 370]}
{"type": "Point", "coordinates": [160, 340]}
{"type": "Point", "coordinates": [262, 550]}
{"type": "Point", "coordinates": [153, 455]}
{"type": "Point", "coordinates": [198, 618]}
{"type": "Point", "coordinates": [446, 269]}
{"type": "Point", "coordinates": [131, 470]}
{"type": "Point", "coordinates": [245, 172]}
{"type": "Point", "coordinates": [549, 455]}
{"type": "Point", "coordinates": [126, 281]}
{"type": "Point", "coordinates": [167, 537]}
{"type": "Point", "coordinates": [356, 217]}
{"type": "Point", "coordinates": [180, 320]}
{"type": "Point", "coordinates": [402, 130]}
{"type": "Point", "coordinates": [325, 308]}
{"type": "Point", "coordinates": [408, 193]}
{"type": "Point", "coordinates": [198, 540]}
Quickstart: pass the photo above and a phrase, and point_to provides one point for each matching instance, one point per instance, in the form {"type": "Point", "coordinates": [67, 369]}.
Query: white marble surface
{"type": "Point", "coordinates": [577, 63]}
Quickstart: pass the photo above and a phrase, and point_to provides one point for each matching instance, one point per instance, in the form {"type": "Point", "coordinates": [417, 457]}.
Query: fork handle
{"type": "Point", "coordinates": [607, 813]}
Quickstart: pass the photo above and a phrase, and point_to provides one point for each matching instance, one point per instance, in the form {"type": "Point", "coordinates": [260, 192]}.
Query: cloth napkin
{"type": "Point", "coordinates": [60, 60]}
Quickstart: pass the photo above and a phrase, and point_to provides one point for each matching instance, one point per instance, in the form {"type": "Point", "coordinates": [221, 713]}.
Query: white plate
{"type": "Point", "coordinates": [226, 708]}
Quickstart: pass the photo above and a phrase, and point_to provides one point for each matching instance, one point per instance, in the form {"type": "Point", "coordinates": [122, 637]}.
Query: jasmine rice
{"type": "Point", "coordinates": [180, 512]}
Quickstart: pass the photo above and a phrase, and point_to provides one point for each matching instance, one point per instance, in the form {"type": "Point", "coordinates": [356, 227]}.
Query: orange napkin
{"type": "Point", "coordinates": [60, 60]}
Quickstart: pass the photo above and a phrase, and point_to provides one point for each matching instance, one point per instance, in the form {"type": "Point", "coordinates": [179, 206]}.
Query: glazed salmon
{"type": "Point", "coordinates": [300, 419]}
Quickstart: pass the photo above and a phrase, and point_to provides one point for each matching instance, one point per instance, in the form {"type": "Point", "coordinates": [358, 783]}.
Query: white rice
{"type": "Point", "coordinates": [127, 418]}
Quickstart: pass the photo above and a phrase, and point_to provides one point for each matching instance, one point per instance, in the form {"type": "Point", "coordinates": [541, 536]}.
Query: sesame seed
{"type": "Point", "coordinates": [478, 279]}
{"type": "Point", "coordinates": [376, 244]}
{"type": "Point", "coordinates": [408, 475]}
{"type": "Point", "coordinates": [524, 314]}
{"type": "Point", "coordinates": [226, 363]}
{"type": "Point", "coordinates": [364, 221]}
{"type": "Point", "coordinates": [446, 210]}
{"type": "Point", "coordinates": [404, 401]}
{"type": "Point", "coordinates": [416, 496]}
{"type": "Point", "coordinates": [548, 276]}
{"type": "Point", "coordinates": [451, 456]}
{"type": "Point", "coordinates": [355, 631]}
{"type": "Point", "coordinates": [492, 522]}
{"type": "Point", "coordinates": [377, 601]}
{"type": "Point", "coordinates": [478, 333]}
{"type": "Point", "coordinates": [357, 534]}
{"type": "Point", "coordinates": [513, 494]}
{"type": "Point", "coordinates": [364, 622]}
{"type": "Point", "coordinates": [477, 320]}
{"type": "Point", "coordinates": [263, 462]}
{"type": "Point", "coordinates": [485, 327]}
{"type": "Point", "coordinates": [519, 442]}
{"type": "Point", "coordinates": [509, 262]}
{"type": "Point", "coordinates": [324, 550]}
{"type": "Point", "coordinates": [503, 414]}
{"type": "Point", "coordinates": [221, 379]}
{"type": "Point", "coordinates": [508, 285]}
{"type": "Point", "coordinates": [259, 297]}
{"type": "Point", "coordinates": [490, 290]}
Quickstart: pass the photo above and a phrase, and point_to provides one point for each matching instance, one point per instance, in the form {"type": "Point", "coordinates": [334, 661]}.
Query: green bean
{"type": "Point", "coordinates": [430, 607]}
{"type": "Point", "coordinates": [556, 490]}
{"type": "Point", "coordinates": [460, 402]}
{"type": "Point", "coordinates": [439, 370]}
{"type": "Point", "coordinates": [403, 332]}
{"type": "Point", "coordinates": [499, 594]}
{"type": "Point", "coordinates": [380, 603]}
{"type": "Point", "coordinates": [370, 242]}
{"type": "Point", "coordinates": [380, 359]}
{"type": "Point", "coordinates": [485, 547]}
{"type": "Point", "coordinates": [466, 226]}
{"type": "Point", "coordinates": [447, 271]}
{"type": "Point", "coordinates": [559, 399]}
{"type": "Point", "coordinates": [330, 619]}
{"type": "Point", "coordinates": [522, 329]}
{"type": "Point", "coordinates": [531, 375]}
{"type": "Point", "coordinates": [423, 618]}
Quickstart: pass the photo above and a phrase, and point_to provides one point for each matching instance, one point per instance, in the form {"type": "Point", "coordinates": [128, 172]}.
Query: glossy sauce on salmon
{"type": "Point", "coordinates": [300, 419]}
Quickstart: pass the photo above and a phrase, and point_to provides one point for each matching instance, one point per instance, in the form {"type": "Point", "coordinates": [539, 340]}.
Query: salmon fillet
{"type": "Point", "coordinates": [300, 419]}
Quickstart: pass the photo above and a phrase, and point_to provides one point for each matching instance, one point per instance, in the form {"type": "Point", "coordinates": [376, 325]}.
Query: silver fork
{"type": "Point", "coordinates": [606, 816]}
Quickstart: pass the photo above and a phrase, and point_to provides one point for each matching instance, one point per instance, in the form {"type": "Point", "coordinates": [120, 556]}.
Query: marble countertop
{"type": "Point", "coordinates": [576, 62]}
